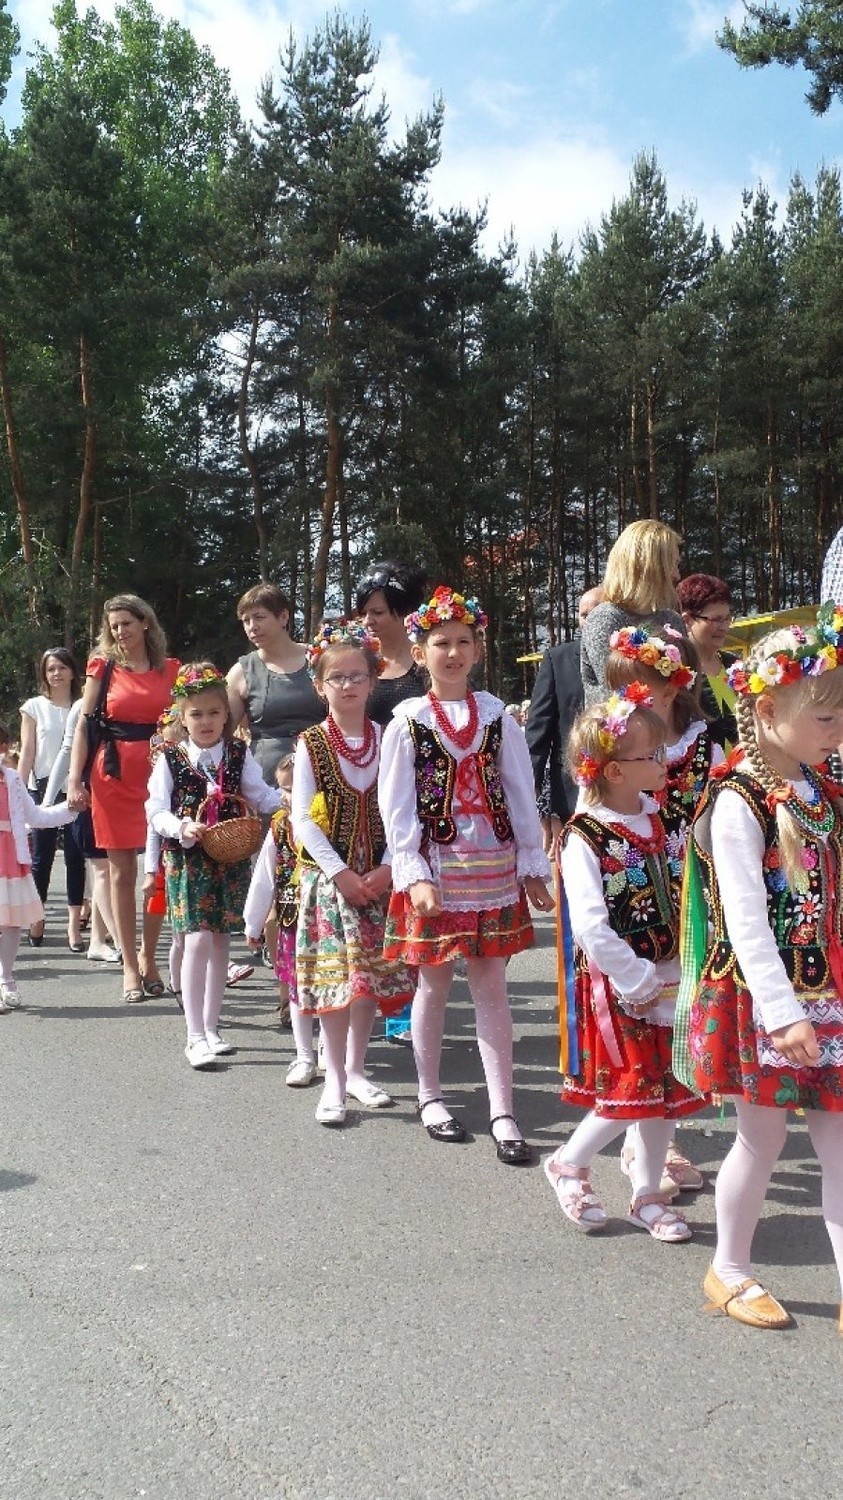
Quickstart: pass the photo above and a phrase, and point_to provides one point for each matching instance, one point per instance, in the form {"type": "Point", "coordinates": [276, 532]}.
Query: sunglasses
{"type": "Point", "coordinates": [379, 578]}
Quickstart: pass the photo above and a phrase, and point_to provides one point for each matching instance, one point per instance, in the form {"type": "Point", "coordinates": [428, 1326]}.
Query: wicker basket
{"type": "Point", "coordinates": [235, 838]}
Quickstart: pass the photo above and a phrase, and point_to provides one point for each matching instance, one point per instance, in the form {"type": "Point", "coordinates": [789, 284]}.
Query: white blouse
{"type": "Point", "coordinates": [737, 847]}
{"type": "Point", "coordinates": [50, 720]}
{"type": "Point", "coordinates": [635, 979]}
{"type": "Point", "coordinates": [680, 747]}
{"type": "Point", "coordinates": [265, 799]}
{"type": "Point", "coordinates": [306, 832]}
{"type": "Point", "coordinates": [397, 787]}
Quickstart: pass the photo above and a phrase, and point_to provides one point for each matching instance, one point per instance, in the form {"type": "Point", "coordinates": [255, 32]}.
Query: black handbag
{"type": "Point", "coordinates": [96, 724]}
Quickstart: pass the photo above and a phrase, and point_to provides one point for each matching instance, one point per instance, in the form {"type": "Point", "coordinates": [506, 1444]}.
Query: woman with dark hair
{"type": "Point", "coordinates": [706, 605]}
{"type": "Point", "coordinates": [131, 658]}
{"type": "Point", "coordinates": [385, 595]}
{"type": "Point", "coordinates": [42, 725]}
{"type": "Point", "coordinates": [270, 687]}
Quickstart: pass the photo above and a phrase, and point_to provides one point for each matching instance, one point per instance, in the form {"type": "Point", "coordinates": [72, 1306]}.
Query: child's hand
{"type": "Point", "coordinates": [537, 893]}
{"type": "Point", "coordinates": [148, 884]}
{"type": "Point", "coordinates": [254, 945]}
{"type": "Point", "coordinates": [798, 1043]}
{"type": "Point", "coordinates": [190, 829]}
{"type": "Point", "coordinates": [351, 886]}
{"type": "Point", "coordinates": [424, 898]}
{"type": "Point", "coordinates": [377, 881]}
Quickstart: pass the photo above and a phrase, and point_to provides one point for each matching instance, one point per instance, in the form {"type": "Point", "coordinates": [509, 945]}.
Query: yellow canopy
{"type": "Point", "coordinates": [744, 632]}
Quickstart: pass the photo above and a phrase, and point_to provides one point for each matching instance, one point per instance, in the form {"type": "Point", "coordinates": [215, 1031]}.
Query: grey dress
{"type": "Point", "coordinates": [279, 705]}
{"type": "Point", "coordinates": [602, 623]}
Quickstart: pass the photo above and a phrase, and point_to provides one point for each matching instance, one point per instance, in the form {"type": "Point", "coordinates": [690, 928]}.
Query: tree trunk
{"type": "Point", "coordinates": [258, 491]}
{"type": "Point", "coordinates": [18, 486]}
{"type": "Point", "coordinates": [774, 519]}
{"type": "Point", "coordinates": [652, 452]}
{"type": "Point", "coordinates": [86, 480]}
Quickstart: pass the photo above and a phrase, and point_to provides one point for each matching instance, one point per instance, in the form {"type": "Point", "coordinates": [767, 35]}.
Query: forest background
{"type": "Point", "coordinates": [229, 352]}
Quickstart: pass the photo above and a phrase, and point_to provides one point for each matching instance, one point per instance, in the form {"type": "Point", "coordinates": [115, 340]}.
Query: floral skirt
{"type": "Point", "coordinates": [285, 961]}
{"type": "Point", "coordinates": [628, 1075]}
{"type": "Point", "coordinates": [732, 1054]}
{"type": "Point", "coordinates": [202, 894]}
{"type": "Point", "coordinates": [340, 952]}
{"type": "Point", "coordinates": [455, 934]}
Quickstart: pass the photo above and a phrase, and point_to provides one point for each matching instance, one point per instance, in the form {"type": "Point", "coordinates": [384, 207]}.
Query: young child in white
{"type": "Point", "coordinates": [273, 889]}
{"type": "Point", "coordinates": [20, 904]}
{"type": "Point", "coordinates": [766, 1020]}
{"type": "Point", "coordinates": [341, 972]}
{"type": "Point", "coordinates": [205, 898]}
{"type": "Point", "coordinates": [621, 895]}
{"type": "Point", "coordinates": [169, 731]}
{"type": "Point", "coordinates": [456, 791]}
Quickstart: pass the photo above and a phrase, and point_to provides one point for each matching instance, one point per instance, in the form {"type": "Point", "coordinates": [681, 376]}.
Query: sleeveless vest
{"type": "Point", "coordinates": [356, 829]}
{"type": "Point", "coordinates": [190, 787]}
{"type": "Point", "coordinates": [636, 888]}
{"type": "Point", "coordinates": [436, 774]}
{"type": "Point", "coordinates": [802, 922]}
{"type": "Point", "coordinates": [286, 904]}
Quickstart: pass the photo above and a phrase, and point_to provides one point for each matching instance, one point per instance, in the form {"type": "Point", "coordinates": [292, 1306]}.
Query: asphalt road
{"type": "Point", "coordinates": [206, 1295]}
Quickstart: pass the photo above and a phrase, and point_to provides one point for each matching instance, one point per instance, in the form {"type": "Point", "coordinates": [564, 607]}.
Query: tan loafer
{"type": "Point", "coordinates": [758, 1312]}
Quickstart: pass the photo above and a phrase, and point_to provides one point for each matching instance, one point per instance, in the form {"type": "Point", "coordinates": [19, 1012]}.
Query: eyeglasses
{"type": "Point", "coordinates": [715, 619]}
{"type": "Point", "coordinates": [340, 679]}
{"type": "Point", "coordinates": [659, 755]}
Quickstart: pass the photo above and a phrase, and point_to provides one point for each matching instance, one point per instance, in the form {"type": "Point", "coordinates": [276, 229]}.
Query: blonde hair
{"type": "Point", "coordinates": [621, 671]}
{"type": "Point", "coordinates": [640, 568]}
{"type": "Point", "coordinates": [156, 641]}
{"type": "Point", "coordinates": [585, 740]}
{"type": "Point", "coordinates": [824, 691]}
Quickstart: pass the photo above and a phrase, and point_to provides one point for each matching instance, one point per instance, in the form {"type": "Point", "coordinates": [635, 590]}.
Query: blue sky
{"type": "Point", "coordinates": [548, 101]}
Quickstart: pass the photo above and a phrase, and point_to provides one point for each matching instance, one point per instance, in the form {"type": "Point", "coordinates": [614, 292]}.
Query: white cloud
{"type": "Point", "coordinates": [699, 21]}
{"type": "Point", "coordinates": [498, 100]}
{"type": "Point", "coordinates": [408, 93]}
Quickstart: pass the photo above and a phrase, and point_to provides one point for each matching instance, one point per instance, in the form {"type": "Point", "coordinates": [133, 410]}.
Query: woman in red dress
{"type": "Point", "coordinates": [139, 689]}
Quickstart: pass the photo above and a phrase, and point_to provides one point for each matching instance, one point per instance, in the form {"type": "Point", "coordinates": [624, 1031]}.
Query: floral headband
{"type": "Point", "coordinates": [445, 605]}
{"type": "Point", "coordinates": [811, 652]}
{"type": "Point", "coordinates": [168, 717]}
{"type": "Point", "coordinates": [344, 632]}
{"type": "Point", "coordinates": [636, 644]}
{"type": "Point", "coordinates": [196, 680]}
{"type": "Point", "coordinates": [612, 723]}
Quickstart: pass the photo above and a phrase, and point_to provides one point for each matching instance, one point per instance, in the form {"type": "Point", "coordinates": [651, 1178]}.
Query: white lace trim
{"type": "Point", "coordinates": [675, 752]}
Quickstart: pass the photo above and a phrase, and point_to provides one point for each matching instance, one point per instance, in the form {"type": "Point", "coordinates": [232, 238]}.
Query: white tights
{"type": "Point", "coordinates": [594, 1134]}
{"type": "Point", "coordinates": [9, 941]}
{"type": "Point", "coordinates": [203, 975]}
{"type": "Point", "coordinates": [744, 1177]}
{"type": "Point", "coordinates": [493, 1020]}
{"type": "Point", "coordinates": [346, 1034]}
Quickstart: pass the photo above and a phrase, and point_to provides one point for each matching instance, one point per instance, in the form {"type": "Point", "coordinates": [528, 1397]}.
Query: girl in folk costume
{"type": "Point", "coordinates": [204, 897]}
{"type": "Point", "coordinates": [169, 730]}
{"type": "Point", "coordinates": [20, 904]}
{"type": "Point", "coordinates": [457, 796]}
{"type": "Point", "coordinates": [620, 888]}
{"type": "Point", "coordinates": [766, 1017]}
{"type": "Point", "coordinates": [668, 664]}
{"type": "Point", "coordinates": [341, 972]}
{"type": "Point", "coordinates": [274, 888]}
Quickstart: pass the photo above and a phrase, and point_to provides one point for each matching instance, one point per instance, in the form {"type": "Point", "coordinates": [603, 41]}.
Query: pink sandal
{"type": "Point", "coordinates": [581, 1206]}
{"type": "Point", "coordinates": [666, 1225]}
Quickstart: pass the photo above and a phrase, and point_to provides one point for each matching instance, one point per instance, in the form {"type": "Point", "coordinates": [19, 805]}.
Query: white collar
{"type": "Point", "coordinates": [212, 753]}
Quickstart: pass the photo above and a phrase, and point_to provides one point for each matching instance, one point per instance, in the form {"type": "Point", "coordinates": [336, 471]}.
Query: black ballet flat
{"type": "Point", "coordinates": [513, 1153]}
{"type": "Point", "coordinates": [35, 942]}
{"type": "Point", "coordinates": [450, 1131]}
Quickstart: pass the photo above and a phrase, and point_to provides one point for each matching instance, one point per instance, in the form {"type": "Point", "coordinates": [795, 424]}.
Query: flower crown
{"type": "Point", "coordinates": [343, 632]}
{"type": "Point", "coordinates": [612, 723]}
{"type": "Point", "coordinates": [168, 717]}
{"type": "Point", "coordinates": [637, 644]}
{"type": "Point", "coordinates": [193, 679]}
{"type": "Point", "coordinates": [444, 605]}
{"type": "Point", "coordinates": [811, 652]}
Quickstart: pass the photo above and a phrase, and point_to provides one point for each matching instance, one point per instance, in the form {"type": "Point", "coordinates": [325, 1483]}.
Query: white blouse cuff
{"type": "Point", "coordinates": [407, 869]}
{"type": "Point", "coordinates": [532, 862]}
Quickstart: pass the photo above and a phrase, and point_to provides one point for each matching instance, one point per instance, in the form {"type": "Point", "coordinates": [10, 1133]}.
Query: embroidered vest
{"type": "Point", "coordinates": [636, 888]}
{"type": "Point", "coordinates": [802, 922]}
{"type": "Point", "coordinates": [356, 829]}
{"type": "Point", "coordinates": [286, 904]}
{"type": "Point", "coordinates": [686, 781]}
{"type": "Point", "coordinates": [190, 787]}
{"type": "Point", "coordinates": [436, 774]}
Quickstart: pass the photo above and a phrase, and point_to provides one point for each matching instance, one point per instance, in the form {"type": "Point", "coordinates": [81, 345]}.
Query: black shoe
{"type": "Point", "coordinates": [450, 1130]}
{"type": "Point", "coordinates": [515, 1152]}
{"type": "Point", "coordinates": [35, 942]}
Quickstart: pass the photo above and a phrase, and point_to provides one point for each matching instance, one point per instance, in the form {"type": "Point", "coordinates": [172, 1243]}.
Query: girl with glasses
{"type": "Point", "coordinates": [342, 975]}
{"type": "Point", "coordinates": [620, 880]}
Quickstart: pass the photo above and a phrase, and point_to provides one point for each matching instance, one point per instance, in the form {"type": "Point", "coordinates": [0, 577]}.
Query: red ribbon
{"type": "Point", "coordinates": [469, 792]}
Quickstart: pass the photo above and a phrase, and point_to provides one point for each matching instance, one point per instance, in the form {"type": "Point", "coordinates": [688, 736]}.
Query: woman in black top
{"type": "Point", "coordinates": [385, 595]}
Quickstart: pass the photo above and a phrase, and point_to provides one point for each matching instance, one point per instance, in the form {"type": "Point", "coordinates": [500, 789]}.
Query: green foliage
{"type": "Point", "coordinates": [813, 37]}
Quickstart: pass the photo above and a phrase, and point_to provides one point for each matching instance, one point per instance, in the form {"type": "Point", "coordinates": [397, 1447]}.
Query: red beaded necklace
{"type": "Point", "coordinates": [361, 757]}
{"type": "Point", "coordinates": [462, 738]}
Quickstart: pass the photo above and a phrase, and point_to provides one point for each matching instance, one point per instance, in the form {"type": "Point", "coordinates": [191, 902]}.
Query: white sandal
{"type": "Point", "coordinates": [666, 1225]}
{"type": "Point", "coordinates": [581, 1205]}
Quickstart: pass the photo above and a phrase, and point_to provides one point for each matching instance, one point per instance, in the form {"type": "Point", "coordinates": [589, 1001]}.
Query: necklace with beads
{"type": "Point", "coordinates": [364, 754]}
{"type": "Point", "coordinates": [816, 818]}
{"type": "Point", "coordinates": [462, 738]}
